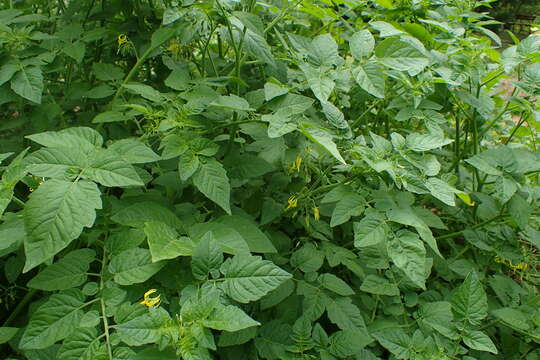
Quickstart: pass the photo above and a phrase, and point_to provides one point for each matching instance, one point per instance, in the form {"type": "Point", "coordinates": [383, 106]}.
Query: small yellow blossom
{"type": "Point", "coordinates": [295, 166]}
{"type": "Point", "coordinates": [122, 39]}
{"type": "Point", "coordinates": [316, 213]}
{"type": "Point", "coordinates": [174, 48]}
{"type": "Point", "coordinates": [151, 301]}
{"type": "Point", "coordinates": [292, 202]}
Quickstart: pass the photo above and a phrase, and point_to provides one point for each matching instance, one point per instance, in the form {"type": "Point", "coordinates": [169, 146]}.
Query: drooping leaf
{"type": "Point", "coordinates": [377, 285]}
{"type": "Point", "coordinates": [229, 318]}
{"type": "Point", "coordinates": [55, 215]}
{"type": "Point", "coordinates": [211, 179]}
{"type": "Point", "coordinates": [70, 271]}
{"type": "Point", "coordinates": [478, 340]}
{"type": "Point", "coordinates": [57, 318]}
{"type": "Point", "coordinates": [248, 278]}
{"type": "Point", "coordinates": [408, 253]}
{"type": "Point", "coordinates": [165, 243]}
{"type": "Point", "coordinates": [28, 83]}
{"type": "Point", "coordinates": [145, 329]}
{"type": "Point", "coordinates": [134, 151]}
{"type": "Point", "coordinates": [133, 266]}
{"type": "Point", "coordinates": [469, 302]}
{"type": "Point", "coordinates": [82, 344]}
{"type": "Point", "coordinates": [362, 44]}
{"type": "Point", "coordinates": [370, 78]}
{"type": "Point", "coordinates": [396, 341]}
{"type": "Point", "coordinates": [207, 257]}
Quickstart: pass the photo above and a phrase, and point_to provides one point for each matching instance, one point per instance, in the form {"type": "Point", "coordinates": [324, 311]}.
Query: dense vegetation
{"type": "Point", "coordinates": [222, 179]}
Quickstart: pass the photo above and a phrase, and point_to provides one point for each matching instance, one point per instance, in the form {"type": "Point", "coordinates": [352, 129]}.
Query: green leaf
{"type": "Point", "coordinates": [279, 125]}
{"type": "Point", "coordinates": [237, 338]}
{"type": "Point", "coordinates": [134, 151]}
{"type": "Point", "coordinates": [257, 241]}
{"type": "Point", "coordinates": [7, 71]}
{"type": "Point", "coordinates": [232, 102]}
{"type": "Point", "coordinates": [230, 240]}
{"type": "Point", "coordinates": [161, 35]}
{"type": "Point", "coordinates": [307, 258]}
{"type": "Point", "coordinates": [505, 188]}
{"type": "Point", "coordinates": [318, 81]}
{"type": "Point", "coordinates": [425, 142]}
{"type": "Point", "coordinates": [55, 215]}
{"type": "Point", "coordinates": [361, 44]}
{"type": "Point", "coordinates": [407, 216]}
{"type": "Point", "coordinates": [108, 169]}
{"type": "Point", "coordinates": [75, 50]}
{"type": "Point", "coordinates": [342, 312]}
{"type": "Point", "coordinates": [400, 55]}
{"type": "Point", "coordinates": [335, 284]}
{"type": "Point", "coordinates": [346, 343]}
{"type": "Point", "coordinates": [397, 342]}
{"type": "Point", "coordinates": [248, 278]}
{"type": "Point", "coordinates": [6, 333]}
{"type": "Point", "coordinates": [478, 340]}
{"type": "Point", "coordinates": [272, 90]}
{"type": "Point", "coordinates": [70, 271]}
{"type": "Point", "coordinates": [206, 258]}
{"type": "Point", "coordinates": [83, 138]}
{"type": "Point", "coordinates": [28, 83]}
{"type": "Point", "coordinates": [520, 210]}
{"type": "Point", "coordinates": [211, 179]}
{"type": "Point", "coordinates": [273, 340]}
{"type": "Point", "coordinates": [352, 205]}
{"type": "Point", "coordinates": [513, 317]}
{"type": "Point", "coordinates": [165, 243]}
{"type": "Point", "coordinates": [370, 78]}
{"type": "Point", "coordinates": [408, 253]}
{"type": "Point", "coordinates": [334, 116]}
{"type": "Point", "coordinates": [322, 138]}
{"type": "Point", "coordinates": [469, 301]}
{"type": "Point", "coordinates": [56, 163]}
{"type": "Point", "coordinates": [377, 285]}
{"type": "Point", "coordinates": [442, 191]}
{"type": "Point", "coordinates": [145, 91]}
{"type": "Point", "coordinates": [188, 164]}
{"type": "Point", "coordinates": [133, 266]}
{"type": "Point", "coordinates": [110, 116]}
{"type": "Point", "coordinates": [107, 72]}
{"type": "Point", "coordinates": [145, 329]}
{"type": "Point", "coordinates": [12, 233]}
{"type": "Point", "coordinates": [136, 215]}
{"type": "Point", "coordinates": [323, 51]}
{"type": "Point", "coordinates": [54, 320]}
{"type": "Point", "coordinates": [250, 25]}
{"type": "Point", "coordinates": [82, 344]}
{"type": "Point", "coordinates": [229, 318]}
{"type": "Point", "coordinates": [371, 230]}
{"type": "Point", "coordinates": [277, 295]}
{"type": "Point", "coordinates": [385, 29]}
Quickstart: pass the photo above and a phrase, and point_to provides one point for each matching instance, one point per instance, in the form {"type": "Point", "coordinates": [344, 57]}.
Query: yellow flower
{"type": "Point", "coordinates": [295, 166]}
{"type": "Point", "coordinates": [151, 301]}
{"type": "Point", "coordinates": [174, 48]}
{"type": "Point", "coordinates": [316, 213]}
{"type": "Point", "coordinates": [292, 202]}
{"type": "Point", "coordinates": [122, 39]}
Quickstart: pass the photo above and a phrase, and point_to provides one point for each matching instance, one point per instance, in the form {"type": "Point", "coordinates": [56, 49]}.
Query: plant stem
{"type": "Point", "coordinates": [479, 225]}
{"type": "Point", "coordinates": [26, 299]}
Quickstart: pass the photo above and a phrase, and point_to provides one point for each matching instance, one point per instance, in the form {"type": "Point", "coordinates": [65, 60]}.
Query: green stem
{"type": "Point", "coordinates": [102, 303]}
{"type": "Point", "coordinates": [131, 73]}
{"type": "Point", "coordinates": [479, 225]}
{"type": "Point", "coordinates": [26, 299]}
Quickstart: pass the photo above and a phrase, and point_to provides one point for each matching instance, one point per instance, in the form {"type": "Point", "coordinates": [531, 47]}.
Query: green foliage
{"type": "Point", "coordinates": [284, 180]}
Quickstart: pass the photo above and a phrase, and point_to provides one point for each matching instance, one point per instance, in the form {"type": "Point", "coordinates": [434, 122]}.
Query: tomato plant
{"type": "Point", "coordinates": [272, 180]}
